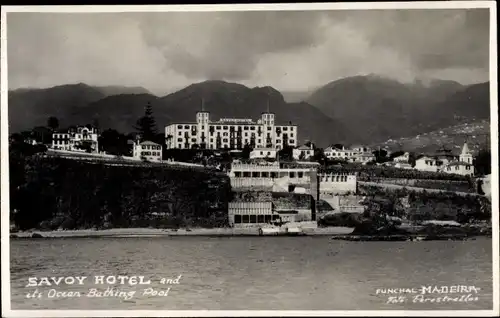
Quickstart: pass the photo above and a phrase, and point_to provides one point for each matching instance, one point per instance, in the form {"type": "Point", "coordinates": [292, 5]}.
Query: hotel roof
{"type": "Point", "coordinates": [459, 163]}
{"type": "Point", "coordinates": [147, 142]}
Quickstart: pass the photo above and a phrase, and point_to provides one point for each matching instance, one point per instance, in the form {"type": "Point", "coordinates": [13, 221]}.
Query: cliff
{"type": "Point", "coordinates": [56, 193]}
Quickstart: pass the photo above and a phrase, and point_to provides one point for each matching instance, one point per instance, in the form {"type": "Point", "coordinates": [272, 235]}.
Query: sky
{"type": "Point", "coordinates": [288, 50]}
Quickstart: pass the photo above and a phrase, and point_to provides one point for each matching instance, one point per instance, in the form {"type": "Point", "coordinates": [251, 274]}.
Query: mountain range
{"type": "Point", "coordinates": [359, 109]}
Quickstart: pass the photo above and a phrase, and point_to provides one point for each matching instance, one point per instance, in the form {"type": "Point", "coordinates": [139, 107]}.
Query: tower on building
{"type": "Point", "coordinates": [202, 120]}
{"type": "Point", "coordinates": [466, 155]}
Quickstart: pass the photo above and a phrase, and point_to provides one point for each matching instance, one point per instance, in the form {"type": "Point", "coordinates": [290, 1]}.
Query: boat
{"type": "Point", "coordinates": [269, 230]}
{"type": "Point", "coordinates": [294, 230]}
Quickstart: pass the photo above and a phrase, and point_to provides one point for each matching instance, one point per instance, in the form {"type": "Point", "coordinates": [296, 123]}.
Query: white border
{"type": "Point", "coordinates": [6, 305]}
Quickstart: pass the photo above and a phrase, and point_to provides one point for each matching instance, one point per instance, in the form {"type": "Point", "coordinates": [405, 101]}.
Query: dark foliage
{"type": "Point", "coordinates": [62, 193]}
{"type": "Point", "coordinates": [482, 162]}
{"type": "Point", "coordinates": [146, 125]}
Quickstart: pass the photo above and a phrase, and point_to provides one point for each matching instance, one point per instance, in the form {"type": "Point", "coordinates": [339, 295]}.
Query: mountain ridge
{"type": "Point", "coordinates": [359, 109]}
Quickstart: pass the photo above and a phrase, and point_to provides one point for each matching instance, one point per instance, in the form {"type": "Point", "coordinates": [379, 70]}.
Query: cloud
{"type": "Point", "coordinates": [289, 50]}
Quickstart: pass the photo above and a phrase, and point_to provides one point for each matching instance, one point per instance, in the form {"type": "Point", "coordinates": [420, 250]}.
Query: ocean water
{"type": "Point", "coordinates": [251, 273]}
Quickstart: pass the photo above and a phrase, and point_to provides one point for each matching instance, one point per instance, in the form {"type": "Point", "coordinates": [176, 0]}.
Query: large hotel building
{"type": "Point", "coordinates": [230, 133]}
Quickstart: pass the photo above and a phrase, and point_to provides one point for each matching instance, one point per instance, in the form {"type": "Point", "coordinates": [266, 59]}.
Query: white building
{"type": "Point", "coordinates": [249, 214]}
{"type": "Point", "coordinates": [269, 176]}
{"type": "Point", "coordinates": [463, 166]}
{"type": "Point", "coordinates": [427, 163]}
{"type": "Point", "coordinates": [230, 133]}
{"type": "Point", "coordinates": [333, 183]}
{"type": "Point", "coordinates": [303, 152]}
{"type": "Point", "coordinates": [358, 154]}
{"type": "Point", "coordinates": [147, 150]}
{"type": "Point", "coordinates": [260, 153]}
{"type": "Point", "coordinates": [76, 139]}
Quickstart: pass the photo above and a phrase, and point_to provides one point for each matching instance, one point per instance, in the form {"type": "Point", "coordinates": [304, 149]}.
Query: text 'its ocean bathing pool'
{"type": "Point", "coordinates": [232, 273]}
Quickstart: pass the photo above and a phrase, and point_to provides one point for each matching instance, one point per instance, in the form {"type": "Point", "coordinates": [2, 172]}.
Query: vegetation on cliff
{"type": "Point", "coordinates": [56, 193]}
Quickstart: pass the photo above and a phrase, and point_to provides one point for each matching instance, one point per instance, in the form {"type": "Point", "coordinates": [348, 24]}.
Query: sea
{"type": "Point", "coordinates": [250, 273]}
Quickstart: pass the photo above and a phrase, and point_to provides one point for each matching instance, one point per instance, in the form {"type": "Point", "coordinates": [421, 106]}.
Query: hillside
{"type": "Point", "coordinates": [51, 193]}
{"type": "Point", "coordinates": [379, 109]}
{"type": "Point", "coordinates": [476, 134]}
{"type": "Point", "coordinates": [360, 109]}
{"type": "Point", "coordinates": [121, 112]}
{"type": "Point", "coordinates": [78, 104]}
{"type": "Point", "coordinates": [119, 90]}
{"type": "Point", "coordinates": [31, 107]}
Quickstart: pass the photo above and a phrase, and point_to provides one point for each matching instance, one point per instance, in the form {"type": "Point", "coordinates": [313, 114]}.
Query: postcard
{"type": "Point", "coordinates": [292, 159]}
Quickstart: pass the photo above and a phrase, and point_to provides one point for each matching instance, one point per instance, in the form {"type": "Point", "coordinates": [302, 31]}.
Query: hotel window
{"type": "Point", "coordinates": [186, 127]}
{"type": "Point", "coordinates": [300, 174]}
{"type": "Point", "coordinates": [179, 139]}
{"type": "Point", "coordinates": [245, 128]}
{"type": "Point", "coordinates": [217, 127]}
{"type": "Point", "coordinates": [292, 141]}
{"type": "Point", "coordinates": [456, 168]}
{"type": "Point", "coordinates": [265, 174]}
{"type": "Point", "coordinates": [225, 127]}
{"type": "Point", "coordinates": [255, 174]}
{"type": "Point", "coordinates": [285, 128]}
{"type": "Point", "coordinates": [292, 174]}
{"type": "Point", "coordinates": [237, 174]}
{"type": "Point", "coordinates": [224, 134]}
{"type": "Point", "coordinates": [260, 219]}
{"type": "Point", "coordinates": [467, 167]}
{"type": "Point", "coordinates": [246, 174]}
{"type": "Point", "coordinates": [253, 218]}
{"type": "Point", "coordinates": [268, 128]}
{"type": "Point", "coordinates": [261, 153]}
{"type": "Point", "coordinates": [268, 153]}
{"type": "Point", "coordinates": [245, 219]}
{"type": "Point", "coordinates": [252, 128]}
{"type": "Point", "coordinates": [193, 139]}
{"type": "Point", "coordinates": [180, 133]}
{"type": "Point", "coordinates": [224, 140]}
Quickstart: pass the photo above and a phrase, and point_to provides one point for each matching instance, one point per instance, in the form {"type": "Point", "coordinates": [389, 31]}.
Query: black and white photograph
{"type": "Point", "coordinates": [324, 159]}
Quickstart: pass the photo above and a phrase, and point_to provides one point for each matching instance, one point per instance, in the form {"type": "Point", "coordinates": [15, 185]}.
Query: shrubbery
{"type": "Point", "coordinates": [343, 219]}
{"type": "Point", "coordinates": [368, 172]}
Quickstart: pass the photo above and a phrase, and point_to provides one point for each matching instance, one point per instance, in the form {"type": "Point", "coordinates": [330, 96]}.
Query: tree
{"type": "Point", "coordinates": [380, 155]}
{"type": "Point", "coordinates": [85, 145]}
{"type": "Point", "coordinates": [482, 162]}
{"type": "Point", "coordinates": [319, 156]}
{"type": "Point", "coordinates": [115, 143]}
{"type": "Point", "coordinates": [53, 123]}
{"type": "Point", "coordinates": [338, 146]}
{"type": "Point", "coordinates": [286, 154]}
{"type": "Point", "coordinates": [396, 154]}
{"type": "Point", "coordinates": [412, 159]}
{"type": "Point", "coordinates": [245, 154]}
{"type": "Point", "coordinates": [146, 125]}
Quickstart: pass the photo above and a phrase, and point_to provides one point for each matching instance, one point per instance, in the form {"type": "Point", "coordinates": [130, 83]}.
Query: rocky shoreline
{"type": "Point", "coordinates": [336, 233]}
